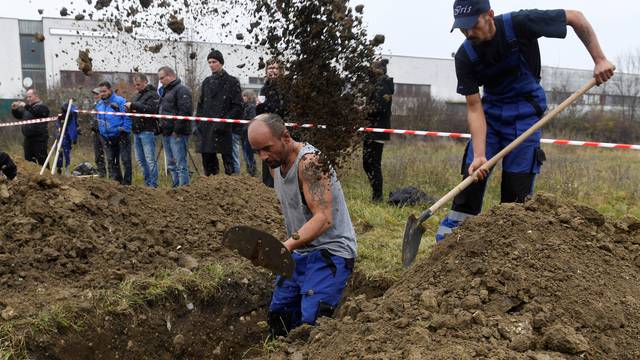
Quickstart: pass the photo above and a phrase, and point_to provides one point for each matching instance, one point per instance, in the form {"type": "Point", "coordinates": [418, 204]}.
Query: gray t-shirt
{"type": "Point", "coordinates": [339, 239]}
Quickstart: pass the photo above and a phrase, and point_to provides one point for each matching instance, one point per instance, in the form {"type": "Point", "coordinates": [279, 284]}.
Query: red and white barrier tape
{"type": "Point", "coordinates": [591, 144]}
{"type": "Point", "coordinates": [27, 122]}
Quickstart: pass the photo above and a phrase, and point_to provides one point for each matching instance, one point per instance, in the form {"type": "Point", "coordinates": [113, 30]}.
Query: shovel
{"type": "Point", "coordinates": [261, 248]}
{"type": "Point", "coordinates": [414, 229]}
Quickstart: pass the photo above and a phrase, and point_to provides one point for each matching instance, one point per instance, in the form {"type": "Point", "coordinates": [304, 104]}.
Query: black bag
{"type": "Point", "coordinates": [410, 196]}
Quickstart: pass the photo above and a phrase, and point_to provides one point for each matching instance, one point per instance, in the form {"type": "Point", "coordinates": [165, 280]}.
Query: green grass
{"type": "Point", "coordinates": [604, 179]}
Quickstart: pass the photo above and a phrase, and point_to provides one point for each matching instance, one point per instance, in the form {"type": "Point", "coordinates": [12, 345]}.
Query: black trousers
{"type": "Point", "coordinates": [372, 163]}
{"type": "Point", "coordinates": [267, 179]}
{"type": "Point", "coordinates": [98, 153]}
{"type": "Point", "coordinates": [119, 151]}
{"type": "Point", "coordinates": [211, 165]}
{"type": "Point", "coordinates": [35, 149]}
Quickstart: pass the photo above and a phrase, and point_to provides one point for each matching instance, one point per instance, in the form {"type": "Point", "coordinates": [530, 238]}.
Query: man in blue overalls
{"type": "Point", "coordinates": [502, 55]}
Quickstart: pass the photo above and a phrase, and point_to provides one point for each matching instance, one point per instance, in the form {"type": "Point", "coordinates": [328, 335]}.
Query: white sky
{"type": "Point", "coordinates": [421, 27]}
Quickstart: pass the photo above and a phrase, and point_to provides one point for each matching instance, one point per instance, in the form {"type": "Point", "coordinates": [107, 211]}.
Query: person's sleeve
{"type": "Point", "coordinates": [185, 102]}
{"type": "Point", "coordinates": [200, 99]}
{"type": "Point", "coordinates": [17, 113]}
{"type": "Point", "coordinates": [535, 24]}
{"type": "Point", "coordinates": [236, 102]}
{"type": "Point", "coordinates": [7, 166]}
{"type": "Point", "coordinates": [467, 81]}
{"type": "Point", "coordinates": [126, 120]}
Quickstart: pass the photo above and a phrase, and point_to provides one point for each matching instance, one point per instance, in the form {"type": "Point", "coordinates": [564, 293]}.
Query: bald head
{"type": "Point", "coordinates": [32, 97]}
{"type": "Point", "coordinates": [269, 137]}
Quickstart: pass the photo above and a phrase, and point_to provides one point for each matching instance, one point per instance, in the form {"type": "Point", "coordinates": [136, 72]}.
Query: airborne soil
{"type": "Point", "coordinates": [544, 280]}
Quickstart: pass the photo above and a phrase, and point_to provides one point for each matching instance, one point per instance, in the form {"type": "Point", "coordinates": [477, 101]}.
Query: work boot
{"type": "Point", "coordinates": [450, 222]}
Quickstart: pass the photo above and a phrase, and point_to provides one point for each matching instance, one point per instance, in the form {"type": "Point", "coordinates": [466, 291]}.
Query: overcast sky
{"type": "Point", "coordinates": [421, 27]}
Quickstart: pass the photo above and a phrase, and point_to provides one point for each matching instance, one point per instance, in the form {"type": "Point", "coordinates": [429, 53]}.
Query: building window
{"type": "Point", "coordinates": [256, 80]}
{"type": "Point", "coordinates": [412, 91]}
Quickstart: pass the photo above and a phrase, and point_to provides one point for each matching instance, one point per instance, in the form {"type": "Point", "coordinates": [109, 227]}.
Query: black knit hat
{"type": "Point", "coordinates": [216, 54]}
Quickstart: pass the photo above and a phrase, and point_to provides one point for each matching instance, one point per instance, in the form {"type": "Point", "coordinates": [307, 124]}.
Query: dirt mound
{"type": "Point", "coordinates": [60, 237]}
{"type": "Point", "coordinates": [543, 280]}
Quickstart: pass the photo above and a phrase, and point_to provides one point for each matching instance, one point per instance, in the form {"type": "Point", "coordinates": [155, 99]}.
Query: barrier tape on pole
{"type": "Point", "coordinates": [27, 122]}
{"type": "Point", "coordinates": [591, 144]}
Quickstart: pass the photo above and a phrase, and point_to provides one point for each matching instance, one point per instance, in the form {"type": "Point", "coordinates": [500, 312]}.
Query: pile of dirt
{"type": "Point", "coordinates": [543, 280]}
{"type": "Point", "coordinates": [76, 234]}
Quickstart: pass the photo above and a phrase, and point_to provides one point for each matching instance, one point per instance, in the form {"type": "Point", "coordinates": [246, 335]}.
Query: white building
{"type": "Point", "coordinates": [116, 55]}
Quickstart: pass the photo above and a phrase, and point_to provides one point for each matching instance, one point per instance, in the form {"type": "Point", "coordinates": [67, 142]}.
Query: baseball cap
{"type": "Point", "coordinates": [466, 12]}
{"type": "Point", "coordinates": [96, 90]}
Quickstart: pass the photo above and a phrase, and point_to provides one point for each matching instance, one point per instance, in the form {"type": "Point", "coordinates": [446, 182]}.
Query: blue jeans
{"type": "Point", "coordinates": [175, 147]}
{"type": "Point", "coordinates": [242, 142]}
{"type": "Point", "coordinates": [145, 145]}
{"type": "Point", "coordinates": [235, 152]}
{"type": "Point", "coordinates": [314, 290]}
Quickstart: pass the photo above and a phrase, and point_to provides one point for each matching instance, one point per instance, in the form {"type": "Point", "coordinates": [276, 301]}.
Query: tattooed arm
{"type": "Point", "coordinates": [604, 68]}
{"type": "Point", "coordinates": [316, 189]}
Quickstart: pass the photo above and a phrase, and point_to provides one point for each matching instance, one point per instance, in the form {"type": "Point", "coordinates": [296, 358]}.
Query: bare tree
{"type": "Point", "coordinates": [627, 85]}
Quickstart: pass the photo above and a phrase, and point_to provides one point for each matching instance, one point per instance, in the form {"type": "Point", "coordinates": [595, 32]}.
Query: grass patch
{"type": "Point", "coordinates": [133, 293]}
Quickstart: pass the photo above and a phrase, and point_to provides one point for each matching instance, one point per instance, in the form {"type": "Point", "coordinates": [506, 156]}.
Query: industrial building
{"type": "Point", "coordinates": [51, 64]}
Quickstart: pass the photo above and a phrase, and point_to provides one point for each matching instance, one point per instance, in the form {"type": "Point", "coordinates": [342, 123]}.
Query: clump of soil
{"type": "Point", "coordinates": [39, 37]}
{"type": "Point", "coordinates": [145, 3]}
{"type": "Point", "coordinates": [79, 17]}
{"type": "Point", "coordinates": [64, 12]}
{"type": "Point", "coordinates": [154, 49]}
{"type": "Point", "coordinates": [176, 25]}
{"type": "Point", "coordinates": [193, 55]}
{"type": "Point", "coordinates": [544, 280]}
{"type": "Point", "coordinates": [85, 62]}
{"type": "Point", "coordinates": [102, 4]}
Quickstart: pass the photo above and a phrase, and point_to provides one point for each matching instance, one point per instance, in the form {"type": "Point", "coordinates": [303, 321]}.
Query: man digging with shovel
{"type": "Point", "coordinates": [321, 236]}
{"type": "Point", "coordinates": [501, 54]}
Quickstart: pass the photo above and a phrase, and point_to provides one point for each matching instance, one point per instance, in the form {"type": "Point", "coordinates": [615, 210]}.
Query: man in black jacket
{"type": "Point", "coordinates": [379, 116]}
{"type": "Point", "coordinates": [145, 129]}
{"type": "Point", "coordinates": [220, 97]}
{"type": "Point", "coordinates": [36, 136]}
{"type": "Point", "coordinates": [176, 100]}
{"type": "Point", "coordinates": [7, 167]}
{"type": "Point", "coordinates": [272, 100]}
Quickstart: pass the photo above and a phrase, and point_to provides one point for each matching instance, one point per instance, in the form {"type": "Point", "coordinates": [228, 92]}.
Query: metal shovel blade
{"type": "Point", "coordinates": [261, 248]}
{"type": "Point", "coordinates": [413, 232]}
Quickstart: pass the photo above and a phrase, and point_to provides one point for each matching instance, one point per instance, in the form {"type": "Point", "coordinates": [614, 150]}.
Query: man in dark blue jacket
{"type": "Point", "coordinates": [501, 55]}
{"type": "Point", "coordinates": [145, 129]}
{"type": "Point", "coordinates": [176, 100]}
{"type": "Point", "coordinates": [116, 131]}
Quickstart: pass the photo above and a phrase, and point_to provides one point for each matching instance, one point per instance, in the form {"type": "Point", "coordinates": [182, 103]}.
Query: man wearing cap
{"type": "Point", "coordinates": [220, 97]}
{"type": "Point", "coordinates": [502, 55]}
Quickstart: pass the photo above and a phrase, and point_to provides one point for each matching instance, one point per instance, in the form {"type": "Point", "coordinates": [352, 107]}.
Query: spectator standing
{"type": "Point", "coordinates": [379, 116]}
{"type": "Point", "coordinates": [176, 99]}
{"type": "Point", "coordinates": [116, 132]}
{"type": "Point", "coordinates": [272, 100]}
{"type": "Point", "coordinates": [36, 136]}
{"type": "Point", "coordinates": [145, 129]}
{"type": "Point", "coordinates": [220, 97]}
{"type": "Point", "coordinates": [241, 141]}
{"type": "Point", "coordinates": [69, 139]}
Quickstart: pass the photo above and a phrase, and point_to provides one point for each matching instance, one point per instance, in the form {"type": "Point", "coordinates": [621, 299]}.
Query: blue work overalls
{"type": "Point", "coordinates": [513, 101]}
{"type": "Point", "coordinates": [314, 290]}
{"type": "Point", "coordinates": [70, 136]}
